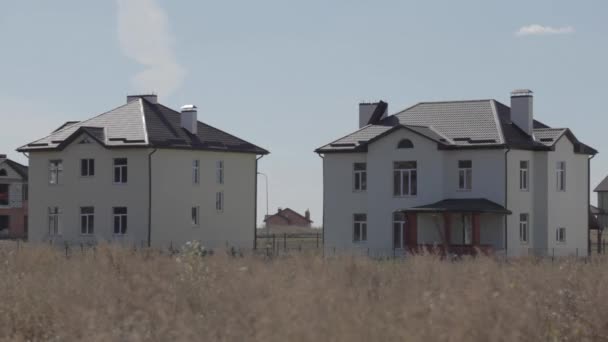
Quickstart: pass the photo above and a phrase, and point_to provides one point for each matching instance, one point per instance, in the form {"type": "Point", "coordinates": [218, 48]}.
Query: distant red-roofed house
{"type": "Point", "coordinates": [288, 217]}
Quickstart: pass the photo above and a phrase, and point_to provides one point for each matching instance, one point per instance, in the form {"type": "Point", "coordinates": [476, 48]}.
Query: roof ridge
{"type": "Point", "coordinates": [78, 124]}
{"type": "Point", "coordinates": [497, 121]}
{"type": "Point", "coordinates": [456, 101]}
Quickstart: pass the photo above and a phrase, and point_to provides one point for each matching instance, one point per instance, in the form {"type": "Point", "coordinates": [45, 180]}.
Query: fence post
{"type": "Point", "coordinates": [274, 247]}
{"type": "Point", "coordinates": [317, 240]}
{"type": "Point", "coordinates": [66, 250]}
{"type": "Point", "coordinates": [284, 241]}
{"type": "Point", "coordinates": [553, 254]}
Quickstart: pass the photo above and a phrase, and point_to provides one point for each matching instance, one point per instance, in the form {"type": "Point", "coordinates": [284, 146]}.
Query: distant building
{"type": "Point", "coordinates": [288, 217]}
{"type": "Point", "coordinates": [13, 199]}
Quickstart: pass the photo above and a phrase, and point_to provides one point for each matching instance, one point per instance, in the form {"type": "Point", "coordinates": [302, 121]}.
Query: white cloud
{"type": "Point", "coordinates": [539, 30]}
{"type": "Point", "coordinates": [144, 36]}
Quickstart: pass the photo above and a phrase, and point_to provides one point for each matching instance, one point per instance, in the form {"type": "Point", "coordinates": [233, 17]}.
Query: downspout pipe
{"type": "Point", "coordinates": [506, 197]}
{"type": "Point", "coordinates": [255, 205]}
{"type": "Point", "coordinates": [150, 197]}
{"type": "Point", "coordinates": [589, 205]}
{"type": "Point", "coordinates": [323, 212]}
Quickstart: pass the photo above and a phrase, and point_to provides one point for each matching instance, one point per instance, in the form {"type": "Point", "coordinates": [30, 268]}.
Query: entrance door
{"type": "Point", "coordinates": [467, 229]}
{"type": "Point", "coordinates": [399, 230]}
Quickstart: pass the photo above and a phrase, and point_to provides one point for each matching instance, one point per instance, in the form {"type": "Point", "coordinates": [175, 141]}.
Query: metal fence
{"type": "Point", "coordinates": [290, 242]}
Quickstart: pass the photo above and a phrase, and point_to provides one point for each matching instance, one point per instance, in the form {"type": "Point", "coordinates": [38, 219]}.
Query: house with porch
{"type": "Point", "coordinates": [458, 175]}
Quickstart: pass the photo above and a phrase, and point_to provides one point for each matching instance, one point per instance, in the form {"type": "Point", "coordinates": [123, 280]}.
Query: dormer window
{"type": "Point", "coordinates": [405, 143]}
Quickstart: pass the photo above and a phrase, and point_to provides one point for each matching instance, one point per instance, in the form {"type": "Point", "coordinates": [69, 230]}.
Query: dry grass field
{"type": "Point", "coordinates": [116, 294]}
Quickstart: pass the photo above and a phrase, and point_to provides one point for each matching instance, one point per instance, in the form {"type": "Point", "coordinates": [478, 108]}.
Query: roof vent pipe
{"type": "Point", "coordinates": [189, 119]}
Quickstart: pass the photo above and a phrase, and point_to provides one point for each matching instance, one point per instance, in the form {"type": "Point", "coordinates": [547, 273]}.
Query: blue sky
{"type": "Point", "coordinates": [288, 75]}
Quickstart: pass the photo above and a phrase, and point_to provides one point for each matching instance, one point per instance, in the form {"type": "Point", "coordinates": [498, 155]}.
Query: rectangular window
{"type": "Point", "coordinates": [465, 175]}
{"type": "Point", "coordinates": [87, 220]}
{"type": "Point", "coordinates": [560, 235]}
{"type": "Point", "coordinates": [55, 171]}
{"type": "Point", "coordinates": [399, 229]}
{"type": "Point", "coordinates": [25, 190]}
{"type": "Point", "coordinates": [360, 227]}
{"type": "Point", "coordinates": [4, 222]}
{"type": "Point", "coordinates": [220, 172]}
{"type": "Point", "coordinates": [524, 177]}
{"type": "Point", "coordinates": [195, 216]}
{"type": "Point", "coordinates": [120, 170]}
{"type": "Point", "coordinates": [54, 222]}
{"type": "Point", "coordinates": [360, 176]}
{"type": "Point", "coordinates": [87, 167]}
{"type": "Point", "coordinates": [196, 171]}
{"type": "Point", "coordinates": [219, 201]}
{"type": "Point", "coordinates": [405, 178]}
{"type": "Point", "coordinates": [4, 194]}
{"type": "Point", "coordinates": [560, 173]}
{"type": "Point", "coordinates": [523, 227]}
{"type": "Point", "coordinates": [120, 220]}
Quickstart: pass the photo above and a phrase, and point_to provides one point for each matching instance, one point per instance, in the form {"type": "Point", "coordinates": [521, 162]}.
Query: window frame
{"type": "Point", "coordinates": [90, 167]}
{"type": "Point", "coordinates": [465, 174]}
{"type": "Point", "coordinates": [560, 176]}
{"type": "Point", "coordinates": [360, 175]}
{"type": "Point", "coordinates": [87, 221]}
{"type": "Point", "coordinates": [54, 217]}
{"type": "Point", "coordinates": [8, 222]}
{"type": "Point", "coordinates": [524, 228]}
{"type": "Point", "coordinates": [399, 224]}
{"type": "Point", "coordinates": [560, 235]}
{"type": "Point", "coordinates": [359, 228]}
{"type": "Point", "coordinates": [123, 170]}
{"type": "Point", "coordinates": [123, 221]}
{"type": "Point", "coordinates": [8, 195]}
{"type": "Point", "coordinates": [219, 201]}
{"type": "Point", "coordinates": [219, 165]}
{"type": "Point", "coordinates": [408, 172]}
{"type": "Point", "coordinates": [55, 168]}
{"type": "Point", "coordinates": [3, 173]}
{"type": "Point", "coordinates": [405, 143]}
{"type": "Point", "coordinates": [524, 175]}
{"type": "Point", "coordinates": [196, 171]}
{"type": "Point", "coordinates": [195, 215]}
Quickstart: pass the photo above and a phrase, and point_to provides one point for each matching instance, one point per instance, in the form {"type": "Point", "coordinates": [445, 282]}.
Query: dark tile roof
{"type": "Point", "coordinates": [460, 124]}
{"type": "Point", "coordinates": [478, 205]}
{"type": "Point", "coordinates": [603, 186]}
{"type": "Point", "coordinates": [19, 168]}
{"type": "Point", "coordinates": [141, 123]}
{"type": "Point", "coordinates": [281, 213]}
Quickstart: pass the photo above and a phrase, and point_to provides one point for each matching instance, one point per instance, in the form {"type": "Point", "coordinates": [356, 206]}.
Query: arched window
{"type": "Point", "coordinates": [3, 173]}
{"type": "Point", "coordinates": [405, 143]}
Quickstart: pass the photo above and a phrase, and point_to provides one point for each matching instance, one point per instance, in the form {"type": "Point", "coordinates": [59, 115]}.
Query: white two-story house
{"type": "Point", "coordinates": [143, 174]}
{"type": "Point", "coordinates": [462, 175]}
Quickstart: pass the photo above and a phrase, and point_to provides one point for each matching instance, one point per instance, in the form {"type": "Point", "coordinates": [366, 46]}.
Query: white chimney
{"type": "Point", "coordinates": [366, 110]}
{"type": "Point", "coordinates": [522, 110]}
{"type": "Point", "coordinates": [189, 119]}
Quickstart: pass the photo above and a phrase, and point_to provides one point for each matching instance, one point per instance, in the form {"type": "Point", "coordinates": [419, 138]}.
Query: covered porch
{"type": "Point", "coordinates": [452, 225]}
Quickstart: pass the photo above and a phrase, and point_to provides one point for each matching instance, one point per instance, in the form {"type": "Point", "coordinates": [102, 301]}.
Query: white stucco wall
{"type": "Point", "coordinates": [99, 191]}
{"type": "Point", "coordinates": [520, 201]}
{"type": "Point", "coordinates": [174, 195]}
{"type": "Point", "coordinates": [568, 208]}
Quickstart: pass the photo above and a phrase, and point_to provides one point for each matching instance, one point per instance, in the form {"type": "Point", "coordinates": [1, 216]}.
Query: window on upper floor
{"type": "Point", "coordinates": [87, 167]}
{"type": "Point", "coordinates": [560, 234]}
{"type": "Point", "coordinates": [359, 227]}
{"type": "Point", "coordinates": [54, 222]}
{"type": "Point", "coordinates": [195, 213]}
{"type": "Point", "coordinates": [405, 143]}
{"type": "Point", "coordinates": [524, 223]}
{"type": "Point", "coordinates": [119, 215]}
{"type": "Point", "coordinates": [219, 201]}
{"type": "Point", "coordinates": [3, 173]}
{"type": "Point", "coordinates": [220, 172]}
{"type": "Point", "coordinates": [120, 170]}
{"type": "Point", "coordinates": [405, 178]}
{"type": "Point", "coordinates": [87, 220]}
{"type": "Point", "coordinates": [560, 175]}
{"type": "Point", "coordinates": [360, 176]}
{"type": "Point", "coordinates": [4, 194]}
{"type": "Point", "coordinates": [465, 175]}
{"type": "Point", "coordinates": [524, 175]}
{"type": "Point", "coordinates": [55, 171]}
{"type": "Point", "coordinates": [196, 176]}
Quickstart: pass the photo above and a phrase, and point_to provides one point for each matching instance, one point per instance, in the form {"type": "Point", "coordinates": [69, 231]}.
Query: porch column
{"type": "Point", "coordinates": [447, 229]}
{"type": "Point", "coordinates": [412, 230]}
{"type": "Point", "coordinates": [476, 229]}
